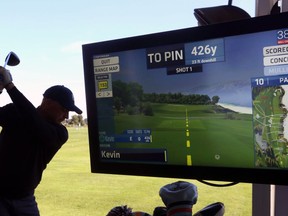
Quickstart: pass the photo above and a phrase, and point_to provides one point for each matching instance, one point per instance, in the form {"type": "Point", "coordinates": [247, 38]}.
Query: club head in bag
{"type": "Point", "coordinates": [11, 59]}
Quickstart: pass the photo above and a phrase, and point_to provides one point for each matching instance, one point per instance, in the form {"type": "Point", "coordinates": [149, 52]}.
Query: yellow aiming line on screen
{"type": "Point", "coordinates": [189, 160]}
{"type": "Point", "coordinates": [188, 143]}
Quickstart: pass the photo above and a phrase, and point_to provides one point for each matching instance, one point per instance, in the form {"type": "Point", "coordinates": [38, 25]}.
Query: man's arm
{"type": "Point", "coordinates": [48, 134]}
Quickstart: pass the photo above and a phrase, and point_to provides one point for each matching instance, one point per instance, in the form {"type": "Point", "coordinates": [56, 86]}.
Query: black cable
{"type": "Point", "coordinates": [218, 185]}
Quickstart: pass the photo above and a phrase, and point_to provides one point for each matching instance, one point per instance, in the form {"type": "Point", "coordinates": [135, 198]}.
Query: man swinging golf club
{"type": "Point", "coordinates": [29, 139]}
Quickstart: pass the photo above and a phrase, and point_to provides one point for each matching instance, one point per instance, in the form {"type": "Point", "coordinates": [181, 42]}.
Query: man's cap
{"type": "Point", "coordinates": [63, 96]}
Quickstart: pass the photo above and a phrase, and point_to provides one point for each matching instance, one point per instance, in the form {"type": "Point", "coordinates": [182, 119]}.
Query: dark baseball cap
{"type": "Point", "coordinates": [63, 96]}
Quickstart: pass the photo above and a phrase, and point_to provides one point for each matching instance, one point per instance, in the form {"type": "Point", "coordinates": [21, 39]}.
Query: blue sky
{"type": "Point", "coordinates": [47, 35]}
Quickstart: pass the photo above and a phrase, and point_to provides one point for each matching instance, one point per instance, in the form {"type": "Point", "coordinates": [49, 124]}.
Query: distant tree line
{"type": "Point", "coordinates": [76, 120]}
{"type": "Point", "coordinates": [178, 98]}
{"type": "Point", "coordinates": [130, 98]}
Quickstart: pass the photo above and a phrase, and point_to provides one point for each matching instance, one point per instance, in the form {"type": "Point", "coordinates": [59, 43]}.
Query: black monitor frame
{"type": "Point", "coordinates": [255, 175]}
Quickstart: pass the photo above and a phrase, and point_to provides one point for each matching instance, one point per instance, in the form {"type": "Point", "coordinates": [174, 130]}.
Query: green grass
{"type": "Point", "coordinates": [69, 188]}
{"type": "Point", "coordinates": [207, 130]}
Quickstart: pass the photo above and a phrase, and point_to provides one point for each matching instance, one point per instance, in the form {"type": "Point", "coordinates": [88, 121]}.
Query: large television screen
{"type": "Point", "coordinates": [206, 103]}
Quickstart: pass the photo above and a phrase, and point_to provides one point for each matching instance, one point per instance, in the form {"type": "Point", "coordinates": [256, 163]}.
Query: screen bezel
{"type": "Point", "coordinates": [253, 175]}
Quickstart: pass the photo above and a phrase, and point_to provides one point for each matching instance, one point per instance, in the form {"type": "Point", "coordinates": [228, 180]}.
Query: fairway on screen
{"type": "Point", "coordinates": [218, 102]}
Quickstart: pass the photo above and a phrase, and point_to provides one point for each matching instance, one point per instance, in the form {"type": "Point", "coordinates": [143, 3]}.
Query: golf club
{"type": "Point", "coordinates": [11, 59]}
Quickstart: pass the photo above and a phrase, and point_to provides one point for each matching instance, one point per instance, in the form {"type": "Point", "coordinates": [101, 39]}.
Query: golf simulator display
{"type": "Point", "coordinates": [207, 103]}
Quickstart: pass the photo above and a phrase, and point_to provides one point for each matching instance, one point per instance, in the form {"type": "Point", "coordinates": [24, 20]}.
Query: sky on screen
{"type": "Point", "coordinates": [48, 35]}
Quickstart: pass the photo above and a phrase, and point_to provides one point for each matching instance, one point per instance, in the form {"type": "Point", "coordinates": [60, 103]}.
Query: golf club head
{"type": "Point", "coordinates": [11, 59]}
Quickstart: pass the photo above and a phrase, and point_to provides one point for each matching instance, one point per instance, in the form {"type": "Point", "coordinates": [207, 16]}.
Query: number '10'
{"type": "Point", "coordinates": [260, 81]}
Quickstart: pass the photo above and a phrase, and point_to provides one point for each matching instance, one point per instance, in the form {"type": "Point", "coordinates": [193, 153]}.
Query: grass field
{"type": "Point", "coordinates": [173, 125]}
{"type": "Point", "coordinates": [69, 189]}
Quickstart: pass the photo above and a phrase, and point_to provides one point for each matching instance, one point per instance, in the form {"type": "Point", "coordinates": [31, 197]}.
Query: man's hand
{"type": "Point", "coordinates": [5, 78]}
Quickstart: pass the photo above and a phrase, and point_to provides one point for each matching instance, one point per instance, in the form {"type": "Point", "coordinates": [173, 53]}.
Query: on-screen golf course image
{"type": "Point", "coordinates": [270, 115]}
{"type": "Point", "coordinates": [201, 135]}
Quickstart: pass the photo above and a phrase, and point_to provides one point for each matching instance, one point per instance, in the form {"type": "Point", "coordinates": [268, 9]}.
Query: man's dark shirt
{"type": "Point", "coordinates": [27, 144]}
